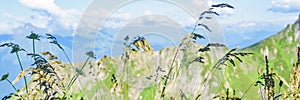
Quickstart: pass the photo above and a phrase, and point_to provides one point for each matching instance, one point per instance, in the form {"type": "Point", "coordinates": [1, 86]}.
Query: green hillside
{"type": "Point", "coordinates": [142, 79]}
{"type": "Point", "coordinates": [143, 75]}
{"type": "Point", "coordinates": [281, 50]}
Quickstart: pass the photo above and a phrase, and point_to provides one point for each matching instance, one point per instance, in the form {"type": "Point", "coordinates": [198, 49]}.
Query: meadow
{"type": "Point", "coordinates": [267, 70]}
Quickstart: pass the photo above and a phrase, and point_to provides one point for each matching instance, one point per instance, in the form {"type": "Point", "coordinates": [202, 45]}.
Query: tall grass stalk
{"type": "Point", "coordinates": [74, 78]}
{"type": "Point", "coordinates": [173, 60]}
{"type": "Point", "coordinates": [54, 41]}
{"type": "Point", "coordinates": [11, 85]}
{"type": "Point", "coordinates": [25, 81]}
{"type": "Point", "coordinates": [33, 36]}
{"type": "Point", "coordinates": [4, 77]}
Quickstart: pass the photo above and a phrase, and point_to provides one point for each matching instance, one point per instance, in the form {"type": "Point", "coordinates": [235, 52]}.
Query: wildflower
{"type": "Point", "coordinates": [14, 47]}
{"type": "Point", "coordinates": [91, 54]}
{"type": "Point", "coordinates": [33, 36]}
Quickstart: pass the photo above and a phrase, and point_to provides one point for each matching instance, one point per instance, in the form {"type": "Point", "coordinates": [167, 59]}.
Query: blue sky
{"type": "Point", "coordinates": [250, 22]}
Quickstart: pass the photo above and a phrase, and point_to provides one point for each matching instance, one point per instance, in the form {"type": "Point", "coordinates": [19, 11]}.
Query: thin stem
{"type": "Point", "coordinates": [175, 56]}
{"type": "Point", "coordinates": [124, 67]}
{"type": "Point", "coordinates": [183, 95]}
{"type": "Point", "coordinates": [169, 72]}
{"type": "Point", "coordinates": [22, 70]}
{"type": "Point", "coordinates": [206, 79]}
{"type": "Point", "coordinates": [195, 26]}
{"type": "Point", "coordinates": [76, 76]}
{"type": "Point", "coordinates": [11, 84]}
{"type": "Point", "coordinates": [34, 58]}
{"type": "Point", "coordinates": [33, 48]}
{"type": "Point", "coordinates": [85, 63]}
{"type": "Point", "coordinates": [68, 58]}
{"type": "Point", "coordinates": [247, 90]}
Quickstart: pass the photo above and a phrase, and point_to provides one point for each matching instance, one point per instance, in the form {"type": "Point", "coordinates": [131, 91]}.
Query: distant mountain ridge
{"type": "Point", "coordinates": [295, 27]}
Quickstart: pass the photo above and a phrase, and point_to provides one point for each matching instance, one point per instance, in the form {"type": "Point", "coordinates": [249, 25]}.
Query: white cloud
{"type": "Point", "coordinates": [117, 20]}
{"type": "Point", "coordinates": [121, 15]}
{"type": "Point", "coordinates": [285, 6]}
{"type": "Point", "coordinates": [48, 5]}
{"type": "Point", "coordinates": [248, 24]}
{"type": "Point", "coordinates": [148, 12]}
{"type": "Point", "coordinates": [15, 22]}
{"type": "Point", "coordinates": [224, 11]}
{"type": "Point", "coordinates": [40, 21]}
{"type": "Point", "coordinates": [6, 28]}
{"type": "Point", "coordinates": [15, 18]}
{"type": "Point", "coordinates": [66, 18]}
{"type": "Point", "coordinates": [246, 27]}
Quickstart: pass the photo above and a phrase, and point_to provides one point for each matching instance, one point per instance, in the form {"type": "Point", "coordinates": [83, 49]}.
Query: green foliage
{"type": "Point", "coordinates": [148, 93]}
{"type": "Point", "coordinates": [119, 78]}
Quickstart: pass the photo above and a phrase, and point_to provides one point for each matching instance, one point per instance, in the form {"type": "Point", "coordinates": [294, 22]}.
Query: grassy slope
{"type": "Point", "coordinates": [280, 48]}
{"type": "Point", "coordinates": [133, 84]}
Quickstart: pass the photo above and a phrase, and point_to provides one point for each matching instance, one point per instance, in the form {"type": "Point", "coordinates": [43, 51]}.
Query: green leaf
{"type": "Point", "coordinates": [4, 77]}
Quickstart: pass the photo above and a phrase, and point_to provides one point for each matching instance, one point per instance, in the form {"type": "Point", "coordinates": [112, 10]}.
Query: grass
{"type": "Point", "coordinates": [15, 49]}
{"type": "Point", "coordinates": [121, 89]}
{"type": "Point", "coordinates": [188, 71]}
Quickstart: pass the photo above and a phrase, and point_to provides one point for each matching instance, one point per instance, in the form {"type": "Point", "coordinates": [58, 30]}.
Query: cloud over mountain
{"type": "Point", "coordinates": [285, 6]}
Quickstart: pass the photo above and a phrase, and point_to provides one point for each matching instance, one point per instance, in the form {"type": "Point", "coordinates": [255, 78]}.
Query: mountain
{"type": "Point", "coordinates": [281, 50]}
{"type": "Point", "coordinates": [142, 74]}
{"type": "Point", "coordinates": [143, 77]}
